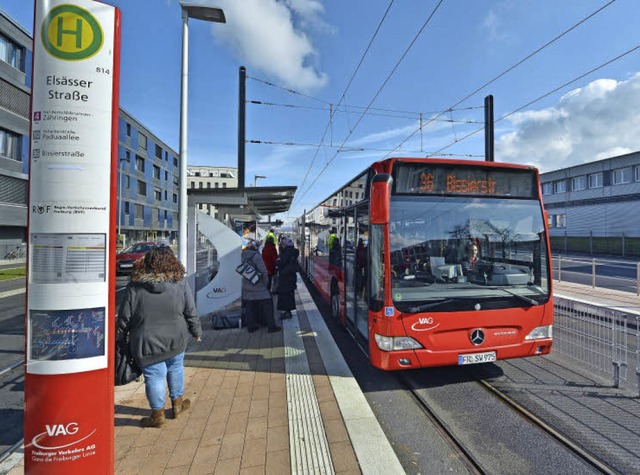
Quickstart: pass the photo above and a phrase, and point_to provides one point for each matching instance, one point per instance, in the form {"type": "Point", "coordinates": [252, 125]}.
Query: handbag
{"type": "Point", "coordinates": [247, 270]}
{"type": "Point", "coordinates": [126, 369]}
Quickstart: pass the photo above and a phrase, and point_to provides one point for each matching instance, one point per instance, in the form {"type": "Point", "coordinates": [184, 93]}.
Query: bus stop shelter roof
{"type": "Point", "coordinates": [247, 204]}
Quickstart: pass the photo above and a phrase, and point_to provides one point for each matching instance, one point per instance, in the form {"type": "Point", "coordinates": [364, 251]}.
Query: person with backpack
{"type": "Point", "coordinates": [257, 297]}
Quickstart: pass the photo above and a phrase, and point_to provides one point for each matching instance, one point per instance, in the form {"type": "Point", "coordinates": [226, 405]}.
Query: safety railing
{"type": "Point", "coordinates": [603, 341]}
{"type": "Point", "coordinates": [608, 273]}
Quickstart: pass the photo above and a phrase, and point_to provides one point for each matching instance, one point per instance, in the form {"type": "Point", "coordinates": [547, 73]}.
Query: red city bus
{"type": "Point", "coordinates": [435, 262]}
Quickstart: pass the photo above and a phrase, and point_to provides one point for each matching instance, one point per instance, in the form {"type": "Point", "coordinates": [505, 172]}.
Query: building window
{"type": "Point", "coordinates": [126, 207]}
{"type": "Point", "coordinates": [208, 184]}
{"type": "Point", "coordinates": [157, 194]}
{"type": "Point", "coordinates": [165, 195]}
{"type": "Point", "coordinates": [224, 185]}
{"type": "Point", "coordinates": [579, 183]}
{"type": "Point", "coordinates": [139, 211]}
{"type": "Point", "coordinates": [560, 220]}
{"type": "Point", "coordinates": [166, 175]}
{"type": "Point", "coordinates": [156, 172]}
{"type": "Point", "coordinates": [127, 181]}
{"type": "Point", "coordinates": [139, 163]}
{"type": "Point", "coordinates": [559, 186]}
{"type": "Point", "coordinates": [175, 198]}
{"type": "Point", "coordinates": [159, 152]}
{"type": "Point", "coordinates": [11, 53]}
{"type": "Point", "coordinates": [621, 176]}
{"type": "Point", "coordinates": [193, 185]}
{"type": "Point", "coordinates": [595, 180]}
{"type": "Point", "coordinates": [142, 188]}
{"type": "Point", "coordinates": [547, 188]}
{"type": "Point", "coordinates": [128, 129]}
{"type": "Point", "coordinates": [217, 185]}
{"type": "Point", "coordinates": [143, 141]}
{"type": "Point", "coordinates": [200, 185]}
{"type": "Point", "coordinates": [636, 171]}
{"type": "Point", "coordinates": [175, 161]}
{"type": "Point", "coordinates": [10, 145]}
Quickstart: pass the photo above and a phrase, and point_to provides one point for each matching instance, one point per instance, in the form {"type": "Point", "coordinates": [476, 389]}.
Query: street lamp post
{"type": "Point", "coordinates": [199, 12]}
{"type": "Point", "coordinates": [255, 179]}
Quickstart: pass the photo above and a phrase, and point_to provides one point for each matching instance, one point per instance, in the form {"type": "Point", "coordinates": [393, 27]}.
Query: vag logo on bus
{"type": "Point", "coordinates": [424, 324]}
{"type": "Point", "coordinates": [62, 434]}
{"type": "Point", "coordinates": [71, 33]}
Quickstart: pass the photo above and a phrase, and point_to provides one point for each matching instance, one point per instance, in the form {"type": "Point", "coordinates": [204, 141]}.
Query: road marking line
{"type": "Point", "coordinates": [10, 293]}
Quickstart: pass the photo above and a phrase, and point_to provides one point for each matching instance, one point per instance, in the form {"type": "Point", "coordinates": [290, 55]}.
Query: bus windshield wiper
{"type": "Point", "coordinates": [421, 308]}
{"type": "Point", "coordinates": [529, 300]}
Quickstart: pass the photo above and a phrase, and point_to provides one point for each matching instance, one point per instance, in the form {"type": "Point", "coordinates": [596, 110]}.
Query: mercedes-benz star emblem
{"type": "Point", "coordinates": [477, 337]}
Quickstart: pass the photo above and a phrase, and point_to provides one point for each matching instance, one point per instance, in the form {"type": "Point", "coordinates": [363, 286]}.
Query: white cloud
{"type": "Point", "coordinates": [589, 123]}
{"type": "Point", "coordinates": [264, 35]}
{"type": "Point", "coordinates": [492, 23]}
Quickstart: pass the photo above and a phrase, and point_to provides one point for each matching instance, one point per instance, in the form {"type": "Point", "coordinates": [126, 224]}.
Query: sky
{"type": "Point", "coordinates": [343, 84]}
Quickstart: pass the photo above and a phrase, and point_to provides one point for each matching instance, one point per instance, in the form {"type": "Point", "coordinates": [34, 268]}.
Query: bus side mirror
{"type": "Point", "coordinates": [380, 198]}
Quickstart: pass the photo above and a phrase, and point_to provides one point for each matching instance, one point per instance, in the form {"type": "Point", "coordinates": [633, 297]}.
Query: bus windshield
{"type": "Point", "coordinates": [445, 249]}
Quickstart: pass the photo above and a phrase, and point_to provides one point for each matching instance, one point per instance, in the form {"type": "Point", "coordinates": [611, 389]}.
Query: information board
{"type": "Point", "coordinates": [70, 185]}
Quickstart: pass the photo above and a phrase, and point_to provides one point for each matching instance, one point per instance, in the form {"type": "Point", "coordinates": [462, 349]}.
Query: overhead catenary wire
{"type": "Point", "coordinates": [344, 93]}
{"type": "Point", "coordinates": [547, 94]}
{"type": "Point", "coordinates": [384, 83]}
{"type": "Point", "coordinates": [344, 149]}
{"type": "Point", "coordinates": [508, 70]}
{"type": "Point", "coordinates": [391, 113]}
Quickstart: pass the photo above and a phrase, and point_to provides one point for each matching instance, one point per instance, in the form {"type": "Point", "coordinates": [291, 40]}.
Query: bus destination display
{"type": "Point", "coordinates": [452, 180]}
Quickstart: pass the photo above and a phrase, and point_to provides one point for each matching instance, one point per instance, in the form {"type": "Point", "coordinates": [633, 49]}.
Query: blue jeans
{"type": "Point", "coordinates": [155, 388]}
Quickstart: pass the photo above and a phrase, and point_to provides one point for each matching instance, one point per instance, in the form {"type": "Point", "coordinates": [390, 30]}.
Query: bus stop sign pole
{"type": "Point", "coordinates": [70, 327]}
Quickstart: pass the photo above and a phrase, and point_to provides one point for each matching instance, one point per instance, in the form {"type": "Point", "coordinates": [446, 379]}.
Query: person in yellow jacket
{"type": "Point", "coordinates": [335, 251]}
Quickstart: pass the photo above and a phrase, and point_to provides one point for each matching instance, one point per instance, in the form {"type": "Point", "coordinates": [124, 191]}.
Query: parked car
{"type": "Point", "coordinates": [126, 259]}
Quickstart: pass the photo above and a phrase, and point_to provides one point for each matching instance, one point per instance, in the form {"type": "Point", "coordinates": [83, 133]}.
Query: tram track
{"type": "Point", "coordinates": [461, 452]}
{"type": "Point", "coordinates": [567, 442]}
{"type": "Point", "coordinates": [468, 455]}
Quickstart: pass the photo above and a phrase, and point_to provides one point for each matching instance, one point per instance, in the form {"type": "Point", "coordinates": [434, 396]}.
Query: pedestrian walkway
{"type": "Point", "coordinates": [261, 403]}
{"type": "Point", "coordinates": [614, 299]}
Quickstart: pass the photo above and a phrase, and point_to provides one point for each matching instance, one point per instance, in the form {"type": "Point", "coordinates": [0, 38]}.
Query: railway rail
{"type": "Point", "coordinates": [469, 455]}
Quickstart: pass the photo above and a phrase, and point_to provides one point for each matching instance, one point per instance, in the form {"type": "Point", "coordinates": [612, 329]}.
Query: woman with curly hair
{"type": "Point", "coordinates": [157, 315]}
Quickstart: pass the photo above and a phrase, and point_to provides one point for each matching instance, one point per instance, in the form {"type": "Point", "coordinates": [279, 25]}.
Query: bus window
{"type": "Point", "coordinates": [376, 243]}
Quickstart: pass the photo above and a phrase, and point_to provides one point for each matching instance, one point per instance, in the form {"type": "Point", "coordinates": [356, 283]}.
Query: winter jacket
{"type": "Point", "coordinates": [287, 269]}
{"type": "Point", "coordinates": [259, 290]}
{"type": "Point", "coordinates": [269, 256]}
{"type": "Point", "coordinates": [157, 315]}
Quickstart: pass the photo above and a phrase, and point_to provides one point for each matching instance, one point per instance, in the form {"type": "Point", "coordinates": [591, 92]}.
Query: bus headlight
{"type": "Point", "coordinates": [396, 343]}
{"type": "Point", "coordinates": [540, 332]}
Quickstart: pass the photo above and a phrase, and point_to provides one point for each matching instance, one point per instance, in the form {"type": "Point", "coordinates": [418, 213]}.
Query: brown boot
{"type": "Point", "coordinates": [155, 420]}
{"type": "Point", "coordinates": [180, 405]}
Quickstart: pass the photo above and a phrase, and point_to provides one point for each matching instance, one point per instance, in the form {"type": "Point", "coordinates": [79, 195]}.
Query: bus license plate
{"type": "Point", "coordinates": [474, 358]}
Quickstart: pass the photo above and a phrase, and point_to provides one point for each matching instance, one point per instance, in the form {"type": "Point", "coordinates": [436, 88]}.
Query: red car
{"type": "Point", "coordinates": [126, 259]}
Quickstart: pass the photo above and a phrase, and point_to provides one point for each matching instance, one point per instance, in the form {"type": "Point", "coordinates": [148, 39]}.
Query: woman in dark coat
{"type": "Point", "coordinates": [156, 317]}
{"type": "Point", "coordinates": [287, 269]}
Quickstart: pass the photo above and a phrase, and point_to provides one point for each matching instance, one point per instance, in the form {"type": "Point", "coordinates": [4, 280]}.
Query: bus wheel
{"type": "Point", "coordinates": [335, 301]}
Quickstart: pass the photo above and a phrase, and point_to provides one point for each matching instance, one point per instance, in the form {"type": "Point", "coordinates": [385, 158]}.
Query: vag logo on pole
{"type": "Point", "coordinates": [71, 33]}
